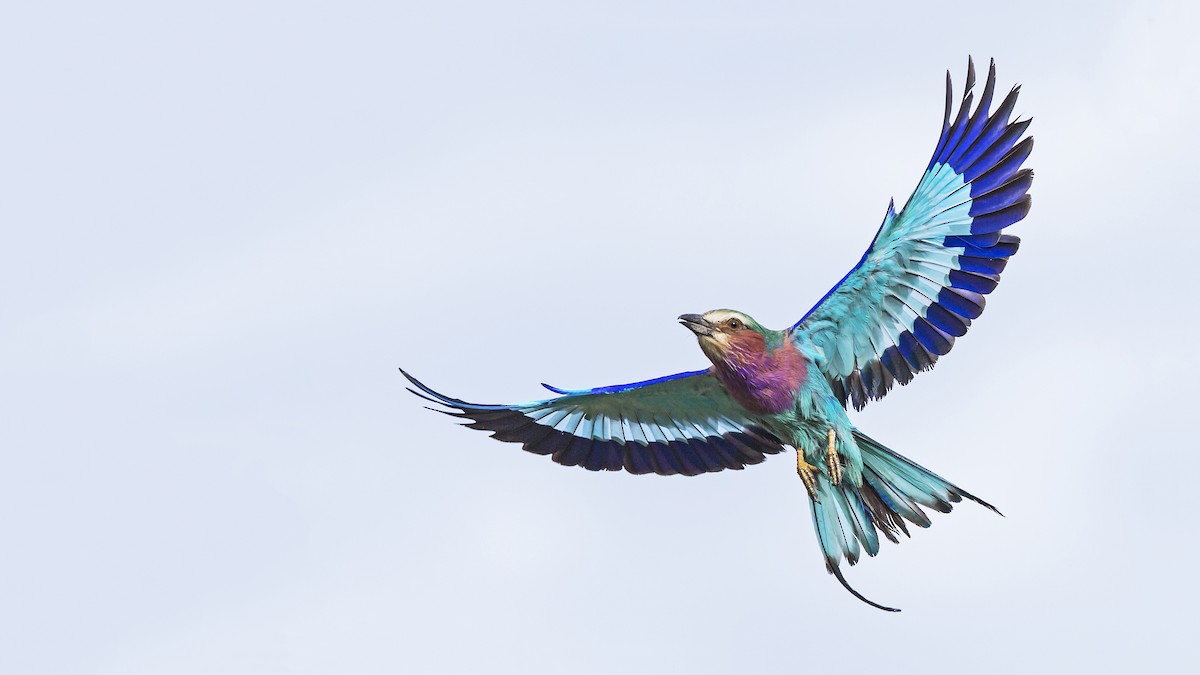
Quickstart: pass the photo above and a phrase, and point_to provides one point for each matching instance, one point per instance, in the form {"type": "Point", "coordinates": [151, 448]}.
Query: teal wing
{"type": "Point", "coordinates": [679, 424]}
{"type": "Point", "coordinates": [924, 277]}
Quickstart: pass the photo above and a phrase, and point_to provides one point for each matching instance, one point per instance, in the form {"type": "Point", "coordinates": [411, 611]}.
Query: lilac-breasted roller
{"type": "Point", "coordinates": [918, 287]}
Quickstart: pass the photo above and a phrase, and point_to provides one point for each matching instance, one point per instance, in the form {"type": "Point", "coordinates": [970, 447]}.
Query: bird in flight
{"type": "Point", "coordinates": [918, 286]}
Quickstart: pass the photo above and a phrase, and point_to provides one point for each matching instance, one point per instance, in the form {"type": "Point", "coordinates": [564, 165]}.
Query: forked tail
{"type": "Point", "coordinates": [848, 520]}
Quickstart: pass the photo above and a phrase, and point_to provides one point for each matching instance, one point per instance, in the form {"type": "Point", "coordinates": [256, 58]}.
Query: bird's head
{"type": "Point", "coordinates": [726, 334]}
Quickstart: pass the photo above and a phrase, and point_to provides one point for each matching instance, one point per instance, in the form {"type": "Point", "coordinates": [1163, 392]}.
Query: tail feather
{"type": "Point", "coordinates": [926, 485]}
{"type": "Point", "coordinates": [859, 520]}
{"type": "Point", "coordinates": [887, 520]}
{"type": "Point", "coordinates": [833, 569]}
{"type": "Point", "coordinates": [848, 519]}
{"type": "Point", "coordinates": [830, 523]}
{"type": "Point", "coordinates": [895, 499]}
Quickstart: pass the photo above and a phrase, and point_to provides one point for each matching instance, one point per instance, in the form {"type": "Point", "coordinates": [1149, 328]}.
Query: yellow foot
{"type": "Point", "coordinates": [833, 460]}
{"type": "Point", "coordinates": [808, 475]}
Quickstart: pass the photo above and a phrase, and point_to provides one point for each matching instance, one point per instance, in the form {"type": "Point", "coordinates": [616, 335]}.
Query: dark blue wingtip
{"type": "Point", "coordinates": [555, 389]}
{"type": "Point", "coordinates": [420, 385]}
{"type": "Point", "coordinates": [441, 399]}
{"type": "Point", "coordinates": [425, 392]}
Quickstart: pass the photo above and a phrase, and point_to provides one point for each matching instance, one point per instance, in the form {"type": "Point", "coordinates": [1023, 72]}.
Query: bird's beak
{"type": "Point", "coordinates": [697, 324]}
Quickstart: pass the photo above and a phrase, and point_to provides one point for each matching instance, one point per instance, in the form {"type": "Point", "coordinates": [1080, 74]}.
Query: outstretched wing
{"type": "Point", "coordinates": [684, 423]}
{"type": "Point", "coordinates": [925, 275]}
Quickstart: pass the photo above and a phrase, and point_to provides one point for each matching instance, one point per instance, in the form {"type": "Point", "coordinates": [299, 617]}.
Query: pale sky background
{"type": "Point", "coordinates": [226, 225]}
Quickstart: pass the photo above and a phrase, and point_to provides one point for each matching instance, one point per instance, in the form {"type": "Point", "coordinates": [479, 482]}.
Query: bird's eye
{"type": "Point", "coordinates": [734, 324]}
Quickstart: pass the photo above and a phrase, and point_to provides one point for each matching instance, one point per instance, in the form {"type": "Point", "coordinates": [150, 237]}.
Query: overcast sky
{"type": "Point", "coordinates": [226, 225]}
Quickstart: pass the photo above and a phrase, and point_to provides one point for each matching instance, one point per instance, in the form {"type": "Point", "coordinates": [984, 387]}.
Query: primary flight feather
{"type": "Point", "coordinates": [917, 287]}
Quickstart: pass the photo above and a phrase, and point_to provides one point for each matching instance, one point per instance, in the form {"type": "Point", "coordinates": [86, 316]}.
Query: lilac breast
{"type": "Point", "coordinates": [765, 382]}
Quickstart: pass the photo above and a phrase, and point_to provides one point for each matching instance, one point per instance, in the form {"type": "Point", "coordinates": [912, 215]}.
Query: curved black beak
{"type": "Point", "coordinates": [696, 323]}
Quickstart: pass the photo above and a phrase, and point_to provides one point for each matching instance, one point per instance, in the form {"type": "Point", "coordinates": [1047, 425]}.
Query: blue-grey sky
{"type": "Point", "coordinates": [226, 224]}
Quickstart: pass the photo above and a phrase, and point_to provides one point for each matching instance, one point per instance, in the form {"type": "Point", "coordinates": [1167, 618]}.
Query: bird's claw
{"type": "Point", "coordinates": [808, 475]}
{"type": "Point", "coordinates": [833, 460]}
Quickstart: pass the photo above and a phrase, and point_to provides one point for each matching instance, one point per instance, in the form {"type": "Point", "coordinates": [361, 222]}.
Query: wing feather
{"type": "Point", "coordinates": [923, 279]}
{"type": "Point", "coordinates": [680, 424]}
